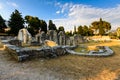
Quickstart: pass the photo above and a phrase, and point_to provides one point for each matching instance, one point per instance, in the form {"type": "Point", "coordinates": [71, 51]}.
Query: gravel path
{"type": "Point", "coordinates": [29, 70]}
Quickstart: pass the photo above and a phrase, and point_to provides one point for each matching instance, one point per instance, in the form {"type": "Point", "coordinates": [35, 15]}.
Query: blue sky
{"type": "Point", "coordinates": [67, 13]}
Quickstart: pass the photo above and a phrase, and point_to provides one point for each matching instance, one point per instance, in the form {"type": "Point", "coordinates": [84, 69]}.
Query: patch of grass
{"type": "Point", "coordinates": [81, 49]}
{"type": "Point", "coordinates": [1, 45]}
{"type": "Point", "coordinates": [3, 34]}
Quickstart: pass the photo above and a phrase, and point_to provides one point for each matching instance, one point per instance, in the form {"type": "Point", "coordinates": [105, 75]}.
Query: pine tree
{"type": "Point", "coordinates": [16, 22]}
{"type": "Point", "coordinates": [51, 26]}
{"type": "Point", "coordinates": [2, 24]}
{"type": "Point", "coordinates": [75, 31]}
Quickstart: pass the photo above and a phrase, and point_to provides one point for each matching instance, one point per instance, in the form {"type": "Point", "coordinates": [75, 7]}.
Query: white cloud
{"type": "Point", "coordinates": [63, 7]}
{"type": "Point", "coordinates": [79, 14]}
{"type": "Point", "coordinates": [57, 3]}
{"type": "Point", "coordinates": [12, 4]}
{"type": "Point", "coordinates": [1, 6]}
{"type": "Point", "coordinates": [58, 12]}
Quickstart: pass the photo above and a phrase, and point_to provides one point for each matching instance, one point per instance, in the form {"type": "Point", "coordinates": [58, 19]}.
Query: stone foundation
{"type": "Point", "coordinates": [23, 53]}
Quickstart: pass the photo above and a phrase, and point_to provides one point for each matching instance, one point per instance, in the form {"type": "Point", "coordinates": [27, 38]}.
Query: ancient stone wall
{"type": "Point", "coordinates": [60, 38]}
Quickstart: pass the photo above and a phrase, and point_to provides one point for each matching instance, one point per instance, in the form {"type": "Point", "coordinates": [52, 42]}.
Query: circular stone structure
{"type": "Point", "coordinates": [101, 51]}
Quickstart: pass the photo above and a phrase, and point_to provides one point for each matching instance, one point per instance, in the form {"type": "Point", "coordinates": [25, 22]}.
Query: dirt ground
{"type": "Point", "coordinates": [68, 67]}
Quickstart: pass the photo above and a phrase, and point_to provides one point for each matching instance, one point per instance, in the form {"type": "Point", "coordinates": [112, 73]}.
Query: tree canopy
{"type": "Point", "coordinates": [80, 30]}
{"type": "Point", "coordinates": [16, 22]}
{"type": "Point", "coordinates": [36, 24]}
{"type": "Point", "coordinates": [33, 22]}
{"type": "Point", "coordinates": [84, 30]}
{"type": "Point", "coordinates": [118, 32]}
{"type": "Point", "coordinates": [2, 24]}
{"type": "Point", "coordinates": [101, 27]}
{"type": "Point", "coordinates": [61, 28]}
{"type": "Point", "coordinates": [69, 33]}
{"type": "Point", "coordinates": [43, 26]}
{"type": "Point", "coordinates": [51, 26]}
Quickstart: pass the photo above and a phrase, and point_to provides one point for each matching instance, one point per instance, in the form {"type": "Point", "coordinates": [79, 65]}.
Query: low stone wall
{"type": "Point", "coordinates": [15, 42]}
{"type": "Point", "coordinates": [21, 54]}
{"type": "Point", "coordinates": [106, 52]}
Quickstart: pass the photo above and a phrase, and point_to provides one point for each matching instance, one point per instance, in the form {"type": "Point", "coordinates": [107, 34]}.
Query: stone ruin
{"type": "Point", "coordinates": [60, 38]}
{"type": "Point", "coordinates": [24, 36]}
{"type": "Point", "coordinates": [53, 44]}
{"type": "Point", "coordinates": [49, 45]}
